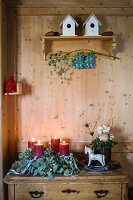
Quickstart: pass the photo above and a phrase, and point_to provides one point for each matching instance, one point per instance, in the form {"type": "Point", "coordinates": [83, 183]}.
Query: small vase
{"type": "Point", "coordinates": [106, 152]}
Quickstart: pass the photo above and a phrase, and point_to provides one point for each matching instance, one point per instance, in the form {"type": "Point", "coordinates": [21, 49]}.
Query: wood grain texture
{"type": "Point", "coordinates": [22, 192]}
{"type": "Point", "coordinates": [84, 185]}
{"type": "Point", "coordinates": [94, 3]}
{"type": "Point", "coordinates": [74, 10]}
{"type": "Point", "coordinates": [12, 103]}
{"type": "Point", "coordinates": [101, 44]}
{"type": "Point", "coordinates": [47, 107]}
{"type": "Point", "coordinates": [1, 156]}
{"type": "Point", "coordinates": [124, 192]}
{"type": "Point", "coordinates": [84, 191]}
{"type": "Point", "coordinates": [11, 192]}
{"type": "Point", "coordinates": [114, 176]}
{"type": "Point", "coordinates": [55, 109]}
{"type": "Point", "coordinates": [3, 103]}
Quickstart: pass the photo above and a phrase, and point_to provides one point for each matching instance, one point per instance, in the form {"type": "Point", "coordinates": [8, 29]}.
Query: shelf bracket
{"type": "Point", "coordinates": [113, 45]}
{"type": "Point", "coordinates": [43, 48]}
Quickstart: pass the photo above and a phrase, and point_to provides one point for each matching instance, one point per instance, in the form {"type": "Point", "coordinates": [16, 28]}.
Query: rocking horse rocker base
{"type": "Point", "coordinates": [96, 168]}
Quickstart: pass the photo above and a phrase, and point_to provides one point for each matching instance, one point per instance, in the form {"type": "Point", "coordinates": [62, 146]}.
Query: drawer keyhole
{"type": "Point", "coordinates": [101, 193]}
{"type": "Point", "coordinates": [36, 194]}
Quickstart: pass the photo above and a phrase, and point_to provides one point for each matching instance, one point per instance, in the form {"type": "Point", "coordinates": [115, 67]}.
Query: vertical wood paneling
{"type": "Point", "coordinates": [3, 103]}
{"type": "Point", "coordinates": [12, 102]}
{"type": "Point", "coordinates": [1, 156]}
{"type": "Point", "coordinates": [47, 107]}
{"type": "Point", "coordinates": [51, 108]}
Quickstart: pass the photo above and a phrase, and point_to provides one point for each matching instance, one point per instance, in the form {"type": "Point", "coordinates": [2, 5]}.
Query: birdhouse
{"type": "Point", "coordinates": [68, 26]}
{"type": "Point", "coordinates": [92, 26]}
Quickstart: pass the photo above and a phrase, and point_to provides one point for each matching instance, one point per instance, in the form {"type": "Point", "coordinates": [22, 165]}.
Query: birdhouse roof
{"type": "Point", "coordinates": [71, 18]}
{"type": "Point", "coordinates": [92, 15]}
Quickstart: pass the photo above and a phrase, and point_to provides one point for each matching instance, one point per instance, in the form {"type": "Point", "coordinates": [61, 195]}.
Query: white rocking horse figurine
{"type": "Point", "coordinates": [92, 156]}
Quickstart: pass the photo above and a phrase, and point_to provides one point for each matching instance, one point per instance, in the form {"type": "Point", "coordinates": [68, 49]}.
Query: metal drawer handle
{"type": "Point", "coordinates": [70, 191]}
{"type": "Point", "coordinates": [101, 193]}
{"type": "Point", "coordinates": [36, 194]}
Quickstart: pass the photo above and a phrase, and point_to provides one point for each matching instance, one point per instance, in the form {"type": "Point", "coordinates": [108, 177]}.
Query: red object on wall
{"type": "Point", "coordinates": [64, 149]}
{"type": "Point", "coordinates": [10, 86]}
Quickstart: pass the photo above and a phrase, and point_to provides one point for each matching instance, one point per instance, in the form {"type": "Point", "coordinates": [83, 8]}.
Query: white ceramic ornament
{"type": "Point", "coordinates": [92, 156]}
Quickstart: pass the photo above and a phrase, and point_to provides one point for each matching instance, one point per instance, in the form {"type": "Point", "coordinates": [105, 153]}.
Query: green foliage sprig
{"type": "Point", "coordinates": [62, 61]}
{"type": "Point", "coordinates": [49, 164]}
{"type": "Point", "coordinates": [98, 144]}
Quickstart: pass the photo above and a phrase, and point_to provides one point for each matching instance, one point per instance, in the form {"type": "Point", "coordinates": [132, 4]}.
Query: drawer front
{"type": "Point", "coordinates": [84, 191]}
{"type": "Point", "coordinates": [30, 191]}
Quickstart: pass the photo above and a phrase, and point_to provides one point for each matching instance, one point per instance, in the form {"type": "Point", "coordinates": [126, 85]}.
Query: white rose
{"type": "Point", "coordinates": [103, 137]}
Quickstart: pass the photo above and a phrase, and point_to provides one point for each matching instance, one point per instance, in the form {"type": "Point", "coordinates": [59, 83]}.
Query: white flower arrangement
{"type": "Point", "coordinates": [103, 133]}
{"type": "Point", "coordinates": [104, 139]}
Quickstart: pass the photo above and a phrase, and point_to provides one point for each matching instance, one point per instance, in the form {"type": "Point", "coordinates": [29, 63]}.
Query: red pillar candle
{"type": "Point", "coordinates": [38, 149]}
{"type": "Point", "coordinates": [64, 149]}
{"type": "Point", "coordinates": [31, 143]}
{"type": "Point", "coordinates": [55, 142]}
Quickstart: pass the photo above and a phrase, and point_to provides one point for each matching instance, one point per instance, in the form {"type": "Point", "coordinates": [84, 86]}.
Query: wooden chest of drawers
{"type": "Point", "coordinates": [111, 185]}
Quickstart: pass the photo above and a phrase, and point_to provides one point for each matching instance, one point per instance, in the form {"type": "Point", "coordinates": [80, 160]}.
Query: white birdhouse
{"type": "Point", "coordinates": [68, 26]}
{"type": "Point", "coordinates": [92, 26]}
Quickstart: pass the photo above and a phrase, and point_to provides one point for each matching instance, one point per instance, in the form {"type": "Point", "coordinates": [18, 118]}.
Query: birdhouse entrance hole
{"type": "Point", "coordinates": [68, 25]}
{"type": "Point", "coordinates": [92, 25]}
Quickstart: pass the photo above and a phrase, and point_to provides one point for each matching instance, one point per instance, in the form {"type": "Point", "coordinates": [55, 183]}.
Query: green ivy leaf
{"type": "Point", "coordinates": [35, 172]}
{"type": "Point", "coordinates": [50, 175]}
{"type": "Point", "coordinates": [40, 169]}
{"type": "Point", "coordinates": [66, 172]}
{"type": "Point", "coordinates": [21, 156]}
{"type": "Point", "coordinates": [55, 167]}
{"type": "Point", "coordinates": [60, 171]}
{"type": "Point", "coordinates": [36, 164]}
{"type": "Point", "coordinates": [48, 165]}
{"type": "Point", "coordinates": [30, 150]}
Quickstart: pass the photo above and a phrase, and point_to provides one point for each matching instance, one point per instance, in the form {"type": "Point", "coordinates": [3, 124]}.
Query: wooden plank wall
{"type": "Point", "coordinates": [3, 103]}
{"type": "Point", "coordinates": [47, 107]}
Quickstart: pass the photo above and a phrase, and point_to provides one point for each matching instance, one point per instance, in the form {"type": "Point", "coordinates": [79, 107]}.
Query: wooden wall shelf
{"type": "Point", "coordinates": [19, 90]}
{"type": "Point", "coordinates": [102, 44]}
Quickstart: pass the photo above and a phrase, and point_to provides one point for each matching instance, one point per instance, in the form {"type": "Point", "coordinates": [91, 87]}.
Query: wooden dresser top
{"type": "Point", "coordinates": [115, 176]}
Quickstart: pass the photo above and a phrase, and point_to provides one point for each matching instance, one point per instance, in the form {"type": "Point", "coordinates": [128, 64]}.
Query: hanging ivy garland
{"type": "Point", "coordinates": [62, 61]}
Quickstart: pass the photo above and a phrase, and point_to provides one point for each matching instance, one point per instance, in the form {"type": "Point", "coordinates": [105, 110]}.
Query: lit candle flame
{"type": "Point", "coordinates": [38, 141]}
{"type": "Point", "coordinates": [64, 142]}
{"type": "Point", "coordinates": [55, 137]}
{"type": "Point", "coordinates": [33, 139]}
